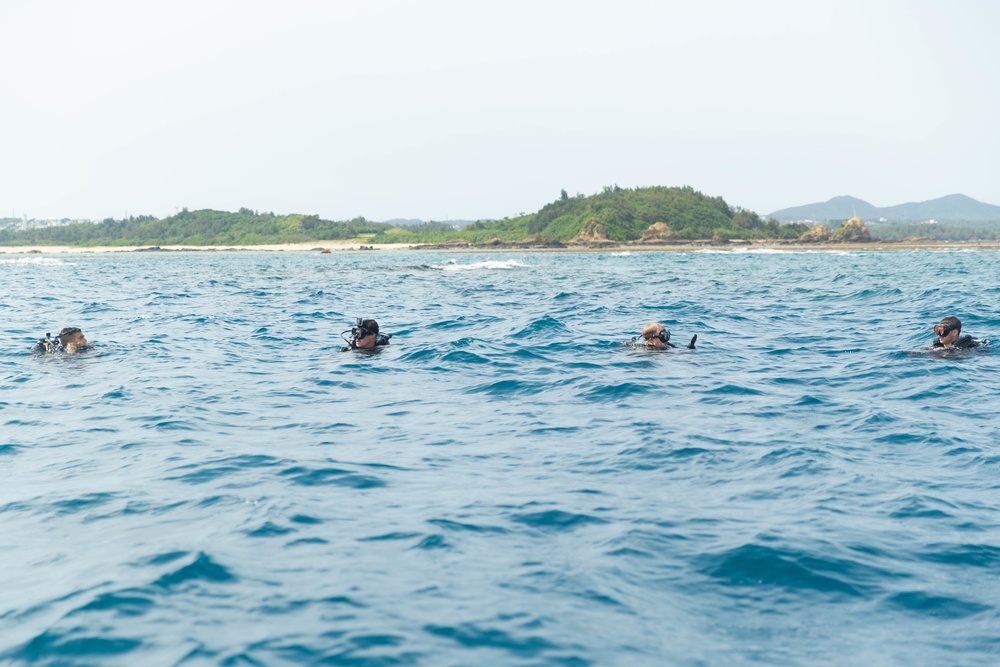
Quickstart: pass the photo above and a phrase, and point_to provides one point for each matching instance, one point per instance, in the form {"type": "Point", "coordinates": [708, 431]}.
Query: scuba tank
{"type": "Point", "coordinates": [47, 345]}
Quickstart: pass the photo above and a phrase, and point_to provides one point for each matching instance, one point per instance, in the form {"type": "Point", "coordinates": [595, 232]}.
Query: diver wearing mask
{"type": "Point", "coordinates": [949, 333]}
{"type": "Point", "coordinates": [364, 336]}
{"type": "Point", "coordinates": [658, 338]}
{"type": "Point", "coordinates": [69, 341]}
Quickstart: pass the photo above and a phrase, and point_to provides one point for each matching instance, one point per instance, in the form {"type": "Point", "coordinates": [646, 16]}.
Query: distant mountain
{"type": "Point", "coordinates": [945, 209]}
{"type": "Point", "coordinates": [404, 222]}
{"type": "Point", "coordinates": [415, 222]}
{"type": "Point", "coordinates": [952, 208]}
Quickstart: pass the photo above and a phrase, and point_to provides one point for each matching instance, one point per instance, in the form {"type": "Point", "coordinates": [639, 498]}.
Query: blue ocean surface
{"type": "Point", "coordinates": [506, 483]}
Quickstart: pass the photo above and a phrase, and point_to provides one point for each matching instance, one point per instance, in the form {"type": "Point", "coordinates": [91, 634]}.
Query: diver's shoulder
{"type": "Point", "coordinates": [968, 342]}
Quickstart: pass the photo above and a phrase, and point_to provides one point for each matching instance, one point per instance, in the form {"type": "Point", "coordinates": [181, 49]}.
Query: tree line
{"type": "Point", "coordinates": [203, 227]}
{"type": "Point", "coordinates": [622, 214]}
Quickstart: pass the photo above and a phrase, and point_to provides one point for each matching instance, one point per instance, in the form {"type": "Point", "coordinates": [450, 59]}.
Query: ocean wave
{"type": "Point", "coordinates": [488, 265]}
{"type": "Point", "coordinates": [35, 261]}
{"type": "Point", "coordinates": [796, 572]}
{"type": "Point", "coordinates": [757, 251]}
{"type": "Point", "coordinates": [504, 483]}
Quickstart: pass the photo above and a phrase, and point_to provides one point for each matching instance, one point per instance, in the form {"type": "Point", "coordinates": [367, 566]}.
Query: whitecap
{"type": "Point", "coordinates": [490, 265]}
{"type": "Point", "coordinates": [38, 261]}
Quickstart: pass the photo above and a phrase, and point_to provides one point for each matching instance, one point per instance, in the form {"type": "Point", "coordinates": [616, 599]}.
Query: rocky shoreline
{"type": "Point", "coordinates": [533, 245]}
{"type": "Point", "coordinates": [681, 245]}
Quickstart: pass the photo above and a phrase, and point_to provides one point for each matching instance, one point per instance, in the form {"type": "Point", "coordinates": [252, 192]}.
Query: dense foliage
{"type": "Point", "coordinates": [951, 231]}
{"type": "Point", "coordinates": [624, 214]}
{"type": "Point", "coordinates": [621, 214]}
{"type": "Point", "coordinates": [204, 227]}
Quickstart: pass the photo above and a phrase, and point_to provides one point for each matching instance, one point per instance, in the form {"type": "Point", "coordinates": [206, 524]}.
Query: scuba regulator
{"type": "Point", "coordinates": [47, 345]}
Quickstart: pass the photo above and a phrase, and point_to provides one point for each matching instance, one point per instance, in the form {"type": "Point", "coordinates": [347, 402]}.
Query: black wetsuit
{"type": "Point", "coordinates": [966, 342]}
{"type": "Point", "coordinates": [380, 340]}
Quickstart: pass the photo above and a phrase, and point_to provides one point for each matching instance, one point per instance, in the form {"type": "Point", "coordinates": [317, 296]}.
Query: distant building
{"type": "Point", "coordinates": [25, 223]}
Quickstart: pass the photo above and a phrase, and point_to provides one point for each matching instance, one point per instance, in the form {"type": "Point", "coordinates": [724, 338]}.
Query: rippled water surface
{"type": "Point", "coordinates": [505, 484]}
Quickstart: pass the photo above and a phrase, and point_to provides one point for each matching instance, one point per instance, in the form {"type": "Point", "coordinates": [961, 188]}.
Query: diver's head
{"type": "Point", "coordinates": [72, 339]}
{"type": "Point", "coordinates": [365, 334]}
{"type": "Point", "coordinates": [948, 330]}
{"type": "Point", "coordinates": [656, 336]}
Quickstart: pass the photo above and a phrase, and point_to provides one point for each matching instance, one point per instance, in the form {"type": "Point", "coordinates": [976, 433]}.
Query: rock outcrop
{"type": "Point", "coordinates": [818, 234]}
{"type": "Point", "coordinates": [852, 231]}
{"type": "Point", "coordinates": [657, 232]}
{"type": "Point", "coordinates": [593, 232]}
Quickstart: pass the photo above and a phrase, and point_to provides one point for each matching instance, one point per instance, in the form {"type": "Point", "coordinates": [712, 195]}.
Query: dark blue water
{"type": "Point", "coordinates": [505, 484]}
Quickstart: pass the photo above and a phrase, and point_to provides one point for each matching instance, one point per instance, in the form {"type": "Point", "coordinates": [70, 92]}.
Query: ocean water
{"type": "Point", "coordinates": [506, 483]}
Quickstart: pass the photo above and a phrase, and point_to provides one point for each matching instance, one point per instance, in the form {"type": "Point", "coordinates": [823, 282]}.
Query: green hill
{"type": "Point", "coordinates": [202, 227]}
{"type": "Point", "coordinates": [624, 214]}
{"type": "Point", "coordinates": [615, 214]}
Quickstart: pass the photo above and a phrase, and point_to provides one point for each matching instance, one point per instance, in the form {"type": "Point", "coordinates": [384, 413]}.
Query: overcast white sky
{"type": "Point", "coordinates": [478, 109]}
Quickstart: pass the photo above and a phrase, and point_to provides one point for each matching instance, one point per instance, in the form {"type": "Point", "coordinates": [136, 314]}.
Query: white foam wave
{"type": "Point", "coordinates": [38, 261]}
{"type": "Point", "coordinates": [760, 251]}
{"type": "Point", "coordinates": [625, 253]}
{"type": "Point", "coordinates": [491, 265]}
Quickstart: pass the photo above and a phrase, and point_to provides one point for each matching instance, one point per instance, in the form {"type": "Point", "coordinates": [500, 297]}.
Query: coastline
{"type": "Point", "coordinates": [324, 246]}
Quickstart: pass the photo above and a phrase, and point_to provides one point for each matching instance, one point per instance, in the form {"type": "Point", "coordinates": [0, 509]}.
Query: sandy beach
{"type": "Point", "coordinates": [321, 246]}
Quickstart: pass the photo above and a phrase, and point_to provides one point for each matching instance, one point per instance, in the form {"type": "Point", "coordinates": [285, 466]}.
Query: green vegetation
{"type": "Point", "coordinates": [944, 231]}
{"type": "Point", "coordinates": [624, 214]}
{"type": "Point", "coordinates": [204, 227]}
{"type": "Point", "coordinates": [620, 214]}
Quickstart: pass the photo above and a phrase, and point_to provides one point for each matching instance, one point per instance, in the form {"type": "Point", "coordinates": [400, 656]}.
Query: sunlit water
{"type": "Point", "coordinates": [505, 484]}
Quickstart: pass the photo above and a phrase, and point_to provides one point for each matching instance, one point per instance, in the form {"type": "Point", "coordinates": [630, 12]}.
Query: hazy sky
{"type": "Point", "coordinates": [476, 109]}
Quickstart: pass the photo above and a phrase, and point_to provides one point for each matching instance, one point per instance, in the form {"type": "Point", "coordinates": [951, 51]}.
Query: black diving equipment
{"type": "Point", "coordinates": [942, 330]}
{"type": "Point", "coordinates": [359, 330]}
{"type": "Point", "coordinates": [47, 345]}
{"type": "Point", "coordinates": [663, 337]}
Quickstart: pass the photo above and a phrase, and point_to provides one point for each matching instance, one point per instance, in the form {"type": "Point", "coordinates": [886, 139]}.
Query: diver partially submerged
{"type": "Point", "coordinates": [69, 341]}
{"type": "Point", "coordinates": [657, 337]}
{"type": "Point", "coordinates": [364, 335]}
{"type": "Point", "coordinates": [949, 333]}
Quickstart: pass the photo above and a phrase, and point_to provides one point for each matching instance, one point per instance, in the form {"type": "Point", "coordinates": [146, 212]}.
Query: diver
{"type": "Point", "coordinates": [949, 333]}
{"type": "Point", "coordinates": [69, 341]}
{"type": "Point", "coordinates": [364, 335]}
{"type": "Point", "coordinates": [657, 337]}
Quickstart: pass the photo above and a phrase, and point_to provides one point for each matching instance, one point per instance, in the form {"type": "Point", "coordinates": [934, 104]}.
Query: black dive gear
{"type": "Point", "coordinates": [663, 337]}
{"type": "Point", "coordinates": [47, 345]}
{"type": "Point", "coordinates": [942, 330]}
{"type": "Point", "coordinates": [359, 330]}
{"type": "Point", "coordinates": [966, 342]}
